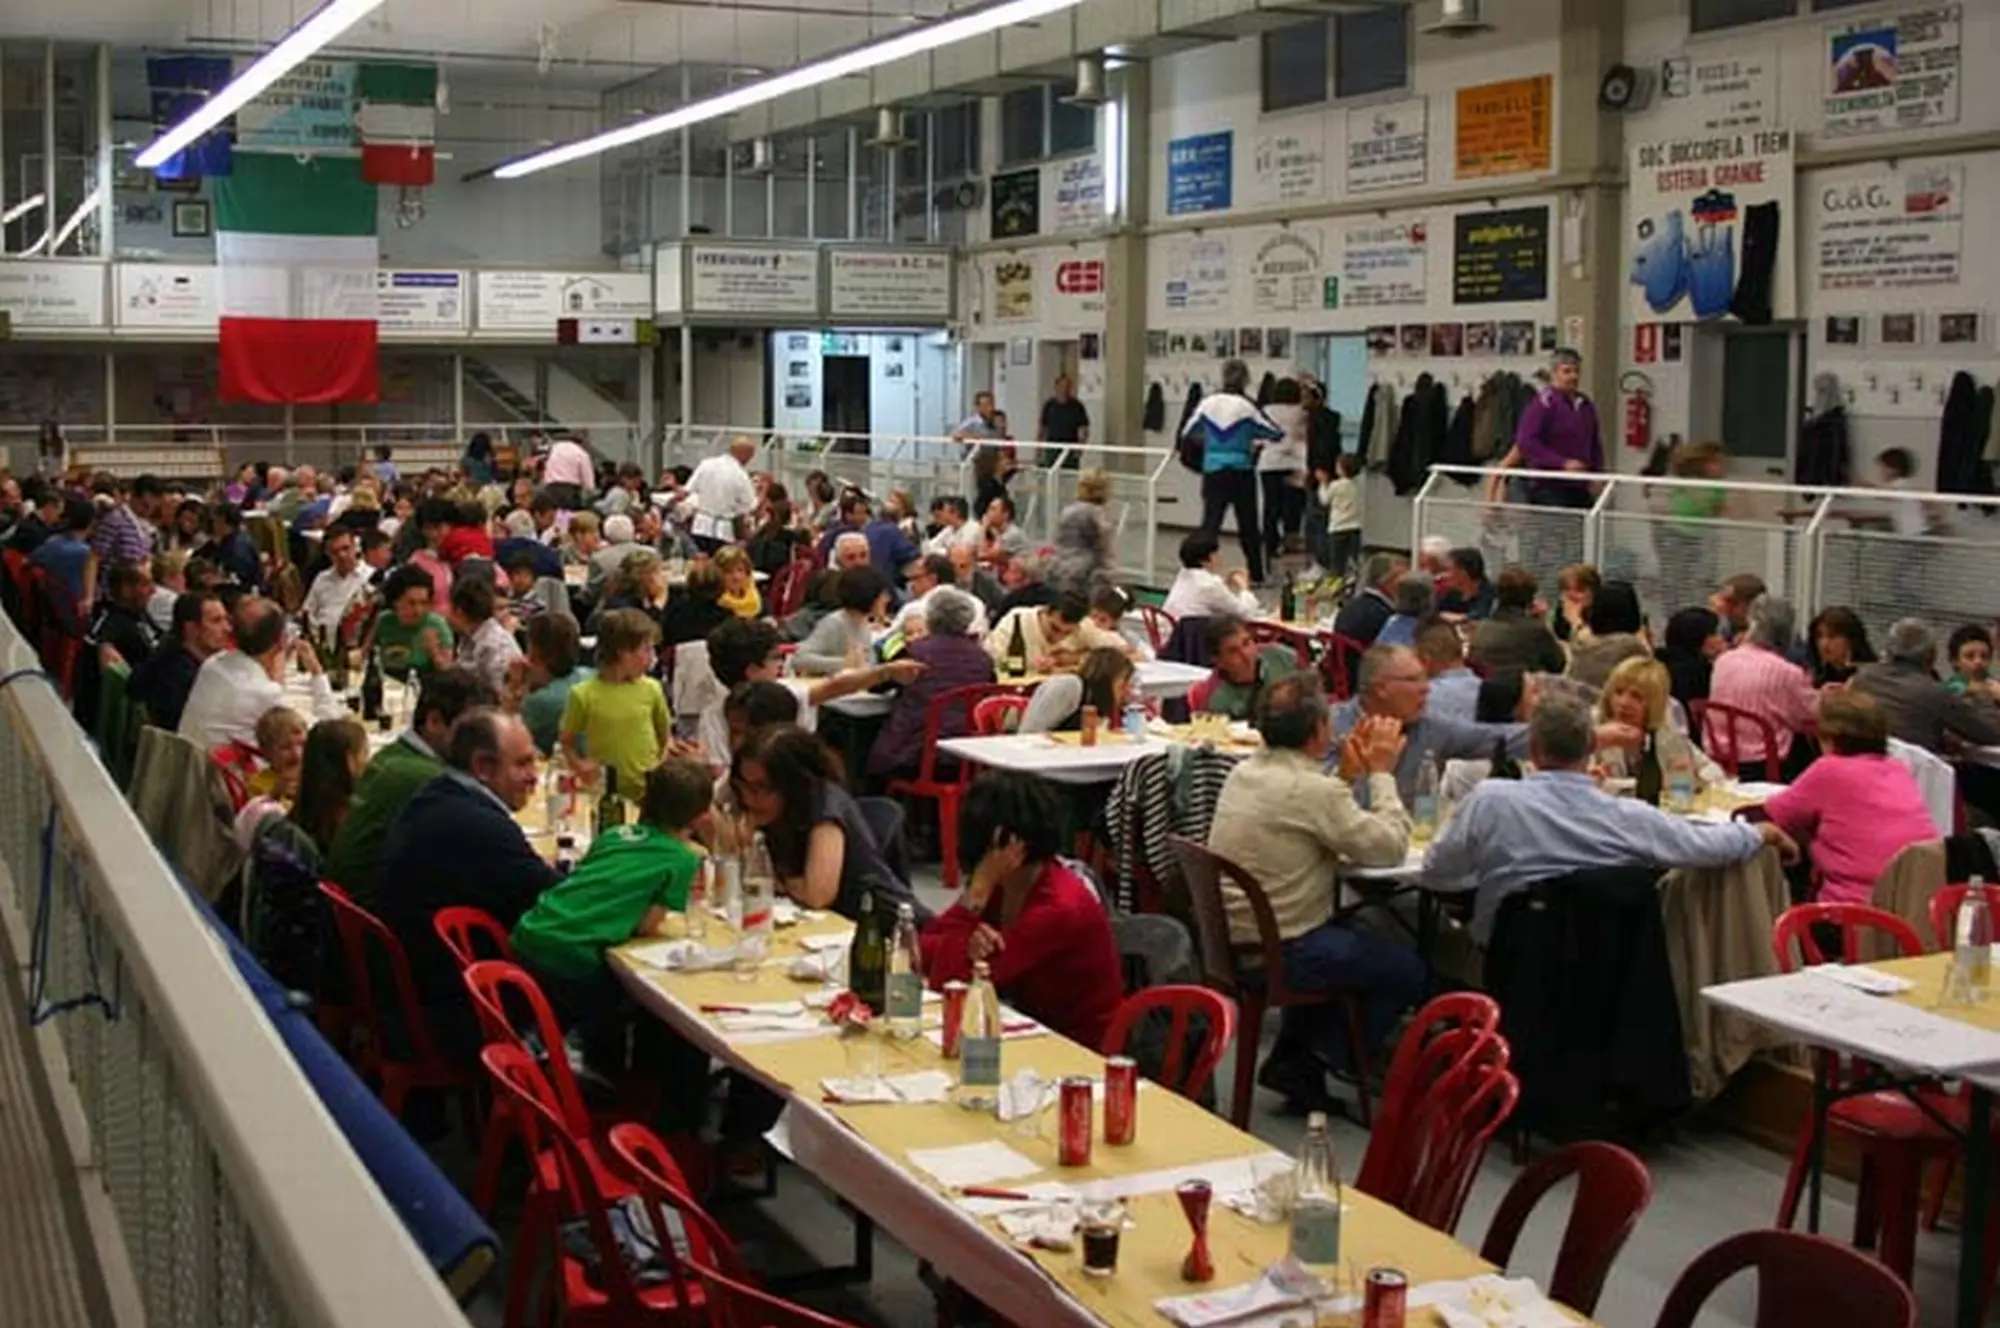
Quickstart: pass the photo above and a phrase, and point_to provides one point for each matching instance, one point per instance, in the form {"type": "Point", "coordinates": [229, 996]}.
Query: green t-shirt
{"type": "Point", "coordinates": [620, 724]}
{"type": "Point", "coordinates": [399, 647]}
{"type": "Point", "coordinates": [1233, 699]}
{"type": "Point", "coordinates": [602, 902]}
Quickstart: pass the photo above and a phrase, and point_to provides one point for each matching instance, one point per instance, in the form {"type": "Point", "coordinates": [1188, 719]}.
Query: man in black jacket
{"type": "Point", "coordinates": [1361, 619]}
{"type": "Point", "coordinates": [457, 842]}
{"type": "Point", "coordinates": [162, 684]}
{"type": "Point", "coordinates": [120, 631]}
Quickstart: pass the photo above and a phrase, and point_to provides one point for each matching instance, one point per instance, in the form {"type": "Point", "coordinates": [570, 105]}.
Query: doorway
{"type": "Point", "coordinates": [1755, 414]}
{"type": "Point", "coordinates": [844, 400]}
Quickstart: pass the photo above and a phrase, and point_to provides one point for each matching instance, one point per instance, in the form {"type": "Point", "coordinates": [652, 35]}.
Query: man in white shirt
{"type": "Point", "coordinates": [1199, 592]}
{"type": "Point", "coordinates": [747, 650]}
{"type": "Point", "coordinates": [335, 588]}
{"type": "Point", "coordinates": [236, 687]}
{"type": "Point", "coordinates": [723, 494]}
{"type": "Point", "coordinates": [955, 526]}
{"type": "Point", "coordinates": [924, 577]}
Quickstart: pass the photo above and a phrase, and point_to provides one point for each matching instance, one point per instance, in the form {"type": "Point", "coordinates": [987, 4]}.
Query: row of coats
{"type": "Point", "coordinates": [1966, 445]}
{"type": "Point", "coordinates": [1404, 436]}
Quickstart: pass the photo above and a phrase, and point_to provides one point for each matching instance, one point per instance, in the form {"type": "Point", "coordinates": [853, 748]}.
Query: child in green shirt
{"type": "Point", "coordinates": [626, 885]}
{"type": "Point", "coordinates": [620, 718]}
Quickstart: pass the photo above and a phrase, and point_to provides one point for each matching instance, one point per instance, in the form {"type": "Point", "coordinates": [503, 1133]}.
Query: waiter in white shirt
{"type": "Point", "coordinates": [236, 687]}
{"type": "Point", "coordinates": [722, 493]}
{"type": "Point", "coordinates": [335, 588]}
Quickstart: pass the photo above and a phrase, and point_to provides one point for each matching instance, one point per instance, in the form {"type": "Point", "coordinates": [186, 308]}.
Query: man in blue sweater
{"type": "Point", "coordinates": [1232, 429]}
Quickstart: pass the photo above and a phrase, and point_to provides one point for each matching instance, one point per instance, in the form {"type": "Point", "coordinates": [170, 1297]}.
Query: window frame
{"type": "Point", "coordinates": [1049, 92]}
{"type": "Point", "coordinates": [1333, 93]}
{"type": "Point", "coordinates": [1403, 18]}
{"type": "Point", "coordinates": [1799, 11]}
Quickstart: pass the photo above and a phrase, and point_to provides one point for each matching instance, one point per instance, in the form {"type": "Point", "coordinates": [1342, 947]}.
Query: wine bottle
{"type": "Point", "coordinates": [1016, 663]}
{"type": "Point", "coordinates": [1288, 599]}
{"type": "Point", "coordinates": [868, 957]}
{"type": "Point", "coordinates": [1504, 765]}
{"type": "Point", "coordinates": [371, 690]}
{"type": "Point", "coordinates": [610, 807]}
{"type": "Point", "coordinates": [1651, 781]}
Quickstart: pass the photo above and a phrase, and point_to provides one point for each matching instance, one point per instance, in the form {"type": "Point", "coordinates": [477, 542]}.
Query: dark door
{"type": "Point", "coordinates": [844, 400]}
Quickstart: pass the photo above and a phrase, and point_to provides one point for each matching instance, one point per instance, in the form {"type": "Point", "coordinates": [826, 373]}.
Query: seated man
{"type": "Point", "coordinates": [1363, 617]}
{"type": "Point", "coordinates": [1199, 591]}
{"type": "Point", "coordinates": [1036, 923]}
{"type": "Point", "coordinates": [1462, 585]}
{"type": "Point", "coordinates": [1416, 600]}
{"type": "Point", "coordinates": [1511, 833]}
{"type": "Point", "coordinates": [1239, 670]}
{"type": "Point", "coordinates": [1920, 709]}
{"type": "Point", "coordinates": [457, 842]}
{"type": "Point", "coordinates": [1394, 684]}
{"type": "Point", "coordinates": [235, 687]}
{"type": "Point", "coordinates": [163, 683]}
{"type": "Point", "coordinates": [1514, 639]}
{"type": "Point", "coordinates": [1055, 637]}
{"type": "Point", "coordinates": [747, 650]}
{"type": "Point", "coordinates": [1291, 825]}
{"type": "Point", "coordinates": [1454, 687]}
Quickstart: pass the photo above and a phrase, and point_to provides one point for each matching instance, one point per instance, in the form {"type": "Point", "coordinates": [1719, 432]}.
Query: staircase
{"type": "Point", "coordinates": [495, 385]}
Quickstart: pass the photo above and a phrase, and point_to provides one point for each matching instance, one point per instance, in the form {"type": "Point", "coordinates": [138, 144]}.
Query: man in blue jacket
{"type": "Point", "coordinates": [1232, 429]}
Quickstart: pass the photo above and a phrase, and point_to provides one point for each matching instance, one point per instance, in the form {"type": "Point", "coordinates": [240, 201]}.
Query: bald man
{"type": "Point", "coordinates": [723, 494]}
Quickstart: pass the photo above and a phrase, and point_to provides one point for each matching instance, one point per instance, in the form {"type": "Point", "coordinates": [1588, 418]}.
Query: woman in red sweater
{"type": "Point", "coordinates": [1038, 925]}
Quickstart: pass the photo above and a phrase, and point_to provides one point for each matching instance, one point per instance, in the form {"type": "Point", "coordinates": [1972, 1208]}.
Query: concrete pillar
{"type": "Point", "coordinates": [1589, 249]}
{"type": "Point", "coordinates": [1125, 263]}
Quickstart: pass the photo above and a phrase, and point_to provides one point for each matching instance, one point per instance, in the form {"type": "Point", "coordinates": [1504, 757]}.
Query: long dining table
{"type": "Point", "coordinates": [873, 1155]}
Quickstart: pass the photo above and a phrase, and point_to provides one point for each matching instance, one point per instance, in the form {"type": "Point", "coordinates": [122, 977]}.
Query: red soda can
{"type": "Point", "coordinates": [954, 1018]}
{"type": "Point", "coordinates": [1121, 1100]}
{"type": "Point", "coordinates": [1073, 1112]}
{"type": "Point", "coordinates": [1384, 1301]}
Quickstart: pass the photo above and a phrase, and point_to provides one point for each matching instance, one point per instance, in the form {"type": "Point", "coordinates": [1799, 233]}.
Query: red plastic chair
{"type": "Point", "coordinates": [1801, 1279]}
{"type": "Point", "coordinates": [1423, 1058]}
{"type": "Point", "coordinates": [735, 1305]}
{"type": "Point", "coordinates": [787, 589]}
{"type": "Point", "coordinates": [59, 640]}
{"type": "Point", "coordinates": [605, 1293]}
{"type": "Point", "coordinates": [236, 762]}
{"type": "Point", "coordinates": [1337, 655]}
{"type": "Point", "coordinates": [416, 1063]}
{"type": "Point", "coordinates": [1612, 1190]}
{"type": "Point", "coordinates": [1898, 1139]}
{"type": "Point", "coordinates": [471, 934]}
{"type": "Point", "coordinates": [929, 783]}
{"type": "Point", "coordinates": [1944, 910]}
{"type": "Point", "coordinates": [1255, 975]}
{"type": "Point", "coordinates": [998, 714]}
{"type": "Point", "coordinates": [1159, 625]}
{"type": "Point", "coordinates": [650, 1165]}
{"type": "Point", "coordinates": [1291, 638]}
{"type": "Point", "coordinates": [1438, 1137]}
{"type": "Point", "coordinates": [1722, 727]}
{"type": "Point", "coordinates": [1187, 1004]}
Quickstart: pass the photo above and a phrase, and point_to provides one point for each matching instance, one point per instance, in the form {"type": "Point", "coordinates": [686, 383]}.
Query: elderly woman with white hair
{"type": "Point", "coordinates": [952, 656]}
{"type": "Point", "coordinates": [1759, 678]}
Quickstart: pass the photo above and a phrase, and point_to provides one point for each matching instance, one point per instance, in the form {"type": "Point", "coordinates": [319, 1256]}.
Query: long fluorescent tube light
{"type": "Point", "coordinates": [320, 27]}
{"type": "Point", "coordinates": [20, 209]}
{"type": "Point", "coordinates": [848, 63]}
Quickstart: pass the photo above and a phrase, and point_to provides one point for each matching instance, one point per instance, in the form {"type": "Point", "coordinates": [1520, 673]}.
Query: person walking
{"type": "Point", "coordinates": [1229, 427]}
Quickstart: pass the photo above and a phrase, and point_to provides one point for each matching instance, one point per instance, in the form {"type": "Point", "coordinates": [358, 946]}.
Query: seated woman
{"type": "Point", "coordinates": [1838, 640]}
{"type": "Point", "coordinates": [1507, 697]}
{"type": "Point", "coordinates": [1693, 640]}
{"type": "Point", "coordinates": [282, 919]}
{"type": "Point", "coordinates": [952, 657]}
{"type": "Point", "coordinates": [788, 784]}
{"type": "Point", "coordinates": [845, 638]}
{"type": "Point", "coordinates": [1856, 807]}
{"type": "Point", "coordinates": [1104, 680]}
{"type": "Point", "coordinates": [639, 583]}
{"type": "Point", "coordinates": [739, 584]}
{"type": "Point", "coordinates": [1636, 695]}
{"type": "Point", "coordinates": [696, 609]}
{"type": "Point", "coordinates": [1616, 632]}
{"type": "Point", "coordinates": [1038, 925]}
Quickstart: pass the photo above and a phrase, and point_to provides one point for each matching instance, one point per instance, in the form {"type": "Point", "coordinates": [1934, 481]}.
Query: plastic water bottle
{"type": "Point", "coordinates": [979, 1040]}
{"type": "Point", "coordinates": [1680, 782]}
{"type": "Point", "coordinates": [1974, 950]}
{"type": "Point", "coordinates": [905, 994]}
{"type": "Point", "coordinates": [1135, 721]}
{"type": "Point", "coordinates": [755, 898]}
{"type": "Point", "coordinates": [700, 890]}
{"type": "Point", "coordinates": [1315, 1235]}
{"type": "Point", "coordinates": [1424, 808]}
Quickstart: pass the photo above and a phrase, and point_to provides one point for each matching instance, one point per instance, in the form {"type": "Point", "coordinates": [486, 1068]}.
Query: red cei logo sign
{"type": "Point", "coordinates": [1080, 276]}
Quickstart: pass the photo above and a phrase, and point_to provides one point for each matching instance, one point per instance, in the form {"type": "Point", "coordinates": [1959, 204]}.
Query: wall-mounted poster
{"type": "Point", "coordinates": [1500, 257]}
{"type": "Point", "coordinates": [1289, 166]}
{"type": "Point", "coordinates": [1197, 273]}
{"type": "Point", "coordinates": [1198, 173]}
{"type": "Point", "coordinates": [1415, 338]}
{"type": "Point", "coordinates": [1891, 228]}
{"type": "Point", "coordinates": [1388, 146]}
{"type": "Point", "coordinates": [1726, 91]}
{"type": "Point", "coordinates": [1898, 72]}
{"type": "Point", "coordinates": [1900, 330]}
{"type": "Point", "coordinates": [1015, 204]}
{"type": "Point", "coordinates": [1278, 343]}
{"type": "Point", "coordinates": [312, 106]}
{"type": "Point", "coordinates": [1079, 193]}
{"type": "Point", "coordinates": [1504, 128]}
{"type": "Point", "coordinates": [1285, 271]}
{"type": "Point", "coordinates": [1386, 265]}
{"type": "Point", "coordinates": [1517, 338]}
{"type": "Point", "coordinates": [1710, 233]}
{"type": "Point", "coordinates": [1013, 290]}
{"type": "Point", "coordinates": [1843, 330]}
{"type": "Point", "coordinates": [1959, 329]}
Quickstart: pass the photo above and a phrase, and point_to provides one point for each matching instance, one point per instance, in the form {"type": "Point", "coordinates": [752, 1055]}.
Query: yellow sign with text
{"type": "Point", "coordinates": [1504, 128]}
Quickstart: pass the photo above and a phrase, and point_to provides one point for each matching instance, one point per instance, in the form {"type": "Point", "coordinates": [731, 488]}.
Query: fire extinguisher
{"type": "Point", "coordinates": [1638, 392]}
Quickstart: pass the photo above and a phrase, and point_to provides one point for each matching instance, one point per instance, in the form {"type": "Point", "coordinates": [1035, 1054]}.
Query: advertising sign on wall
{"type": "Point", "coordinates": [1900, 72]}
{"type": "Point", "coordinates": [533, 301]}
{"type": "Point", "coordinates": [1197, 273]}
{"type": "Point", "coordinates": [1724, 91]}
{"type": "Point", "coordinates": [1384, 265]}
{"type": "Point", "coordinates": [1504, 128]}
{"type": "Point", "coordinates": [1891, 228]}
{"type": "Point", "coordinates": [162, 297]}
{"type": "Point", "coordinates": [1500, 257]}
{"type": "Point", "coordinates": [1076, 296]}
{"type": "Point", "coordinates": [1289, 166]}
{"type": "Point", "coordinates": [1015, 207]}
{"type": "Point", "coordinates": [1198, 173]}
{"type": "Point", "coordinates": [1388, 146]}
{"type": "Point", "coordinates": [1014, 288]}
{"type": "Point", "coordinates": [37, 294]}
{"type": "Point", "coordinates": [903, 283]}
{"type": "Point", "coordinates": [1708, 222]}
{"type": "Point", "coordinates": [407, 301]}
{"type": "Point", "coordinates": [1285, 271]}
{"type": "Point", "coordinates": [310, 107]}
{"type": "Point", "coordinates": [1079, 193]}
{"type": "Point", "coordinates": [741, 279]}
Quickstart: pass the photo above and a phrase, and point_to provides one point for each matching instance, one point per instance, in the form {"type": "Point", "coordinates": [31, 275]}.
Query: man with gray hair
{"type": "Point", "coordinates": [1416, 600]}
{"type": "Point", "coordinates": [1558, 431]}
{"type": "Point", "coordinates": [1362, 617]}
{"type": "Point", "coordinates": [1230, 428]}
{"type": "Point", "coordinates": [850, 550]}
{"type": "Point", "coordinates": [1921, 709]}
{"type": "Point", "coordinates": [1512, 833]}
{"type": "Point", "coordinates": [1758, 677]}
{"type": "Point", "coordinates": [723, 494]}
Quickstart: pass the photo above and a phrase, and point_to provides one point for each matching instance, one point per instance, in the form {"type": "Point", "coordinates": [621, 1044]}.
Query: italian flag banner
{"type": "Point", "coordinates": [397, 121]}
{"type": "Point", "coordinates": [295, 256]}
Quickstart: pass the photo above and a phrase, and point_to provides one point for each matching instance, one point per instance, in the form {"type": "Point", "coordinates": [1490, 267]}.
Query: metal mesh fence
{"type": "Point", "coordinates": [1542, 539]}
{"type": "Point", "coordinates": [1945, 580]}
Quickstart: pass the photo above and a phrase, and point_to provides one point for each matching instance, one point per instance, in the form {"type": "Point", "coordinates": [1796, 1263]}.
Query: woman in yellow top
{"type": "Point", "coordinates": [739, 583]}
{"type": "Point", "coordinates": [1636, 694]}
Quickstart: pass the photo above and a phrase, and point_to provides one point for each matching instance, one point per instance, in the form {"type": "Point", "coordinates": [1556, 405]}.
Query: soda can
{"type": "Point", "coordinates": [1384, 1301]}
{"type": "Point", "coordinates": [1088, 725]}
{"type": "Point", "coordinates": [1121, 1100]}
{"type": "Point", "coordinates": [954, 1017]}
{"type": "Point", "coordinates": [1073, 1112]}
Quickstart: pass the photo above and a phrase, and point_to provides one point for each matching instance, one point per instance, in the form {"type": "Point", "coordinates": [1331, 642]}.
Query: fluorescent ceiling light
{"type": "Point", "coordinates": [320, 27]}
{"type": "Point", "coordinates": [20, 209]}
{"type": "Point", "coordinates": [845, 65]}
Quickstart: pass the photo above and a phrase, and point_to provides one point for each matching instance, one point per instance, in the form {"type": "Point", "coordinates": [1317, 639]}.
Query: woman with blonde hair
{"type": "Point", "coordinates": [1636, 695]}
{"type": "Point", "coordinates": [1083, 537]}
{"type": "Point", "coordinates": [739, 582]}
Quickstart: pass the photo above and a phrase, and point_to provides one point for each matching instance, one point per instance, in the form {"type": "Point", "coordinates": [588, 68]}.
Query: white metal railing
{"type": "Point", "coordinates": [318, 444]}
{"type": "Point", "coordinates": [237, 1199]}
{"type": "Point", "coordinates": [930, 466]}
{"type": "Point", "coordinates": [1677, 539]}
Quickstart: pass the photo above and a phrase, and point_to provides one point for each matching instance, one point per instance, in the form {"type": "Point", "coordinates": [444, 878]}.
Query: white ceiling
{"type": "Point", "coordinates": [574, 43]}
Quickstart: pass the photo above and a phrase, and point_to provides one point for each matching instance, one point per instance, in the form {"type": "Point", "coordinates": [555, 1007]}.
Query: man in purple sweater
{"type": "Point", "coordinates": [1558, 431]}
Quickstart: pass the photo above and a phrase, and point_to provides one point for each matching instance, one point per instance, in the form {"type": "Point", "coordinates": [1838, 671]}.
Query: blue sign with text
{"type": "Point", "coordinates": [1198, 170]}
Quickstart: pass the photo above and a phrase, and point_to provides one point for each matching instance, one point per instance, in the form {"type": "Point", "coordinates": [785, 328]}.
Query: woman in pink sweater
{"type": "Point", "coordinates": [1856, 807]}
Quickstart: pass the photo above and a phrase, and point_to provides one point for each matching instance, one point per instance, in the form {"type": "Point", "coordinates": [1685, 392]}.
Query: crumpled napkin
{"type": "Point", "coordinates": [1026, 1094]}
{"type": "Point", "coordinates": [1490, 1301]}
{"type": "Point", "coordinates": [921, 1086]}
{"type": "Point", "coordinates": [1275, 1300]}
{"type": "Point", "coordinates": [1268, 1201]}
{"type": "Point", "coordinates": [1048, 1227]}
{"type": "Point", "coordinates": [815, 967]}
{"type": "Point", "coordinates": [681, 956]}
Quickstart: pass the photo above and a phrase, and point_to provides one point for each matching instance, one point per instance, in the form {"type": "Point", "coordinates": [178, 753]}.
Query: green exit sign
{"type": "Point", "coordinates": [1330, 296]}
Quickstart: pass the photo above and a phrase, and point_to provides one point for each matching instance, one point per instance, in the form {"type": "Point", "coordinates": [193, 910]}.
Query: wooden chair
{"type": "Point", "coordinates": [1801, 1280]}
{"type": "Point", "coordinates": [1612, 1190]}
{"type": "Point", "coordinates": [1254, 975]}
{"type": "Point", "coordinates": [934, 783]}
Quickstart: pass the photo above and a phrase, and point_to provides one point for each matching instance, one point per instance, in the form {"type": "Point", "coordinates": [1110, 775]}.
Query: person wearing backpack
{"type": "Point", "coordinates": [1227, 430]}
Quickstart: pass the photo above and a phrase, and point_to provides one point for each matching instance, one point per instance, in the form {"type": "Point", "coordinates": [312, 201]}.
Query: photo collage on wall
{"type": "Point", "coordinates": [1504, 339]}
{"type": "Point", "coordinates": [1223, 343]}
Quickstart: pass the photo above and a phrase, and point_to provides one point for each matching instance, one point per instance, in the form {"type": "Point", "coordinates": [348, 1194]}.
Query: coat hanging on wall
{"type": "Point", "coordinates": [1823, 449]}
{"type": "Point", "coordinates": [1960, 441]}
{"type": "Point", "coordinates": [1154, 417]}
